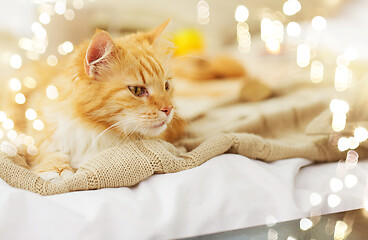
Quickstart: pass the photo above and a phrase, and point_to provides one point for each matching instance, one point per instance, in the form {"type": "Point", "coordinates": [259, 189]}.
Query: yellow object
{"type": "Point", "coordinates": [188, 41]}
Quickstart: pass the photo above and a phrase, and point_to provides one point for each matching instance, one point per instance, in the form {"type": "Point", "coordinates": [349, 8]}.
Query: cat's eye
{"type": "Point", "coordinates": [138, 91]}
{"type": "Point", "coordinates": [167, 85]}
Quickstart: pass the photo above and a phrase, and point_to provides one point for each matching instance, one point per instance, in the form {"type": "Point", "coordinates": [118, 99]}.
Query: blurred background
{"type": "Point", "coordinates": [274, 41]}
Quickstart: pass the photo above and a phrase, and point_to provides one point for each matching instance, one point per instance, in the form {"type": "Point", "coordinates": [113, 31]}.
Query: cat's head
{"type": "Point", "coordinates": [125, 82]}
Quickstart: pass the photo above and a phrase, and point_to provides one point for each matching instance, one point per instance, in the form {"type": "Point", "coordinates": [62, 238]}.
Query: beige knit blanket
{"type": "Point", "coordinates": [269, 130]}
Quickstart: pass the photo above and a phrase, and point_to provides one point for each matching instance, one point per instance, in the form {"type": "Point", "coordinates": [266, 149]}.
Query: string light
{"type": "Point", "coordinates": [315, 199]}
{"type": "Point", "coordinates": [31, 114]}
{"type": "Point", "coordinates": [360, 134]}
{"type": "Point", "coordinates": [351, 159]}
{"type": "Point", "coordinates": [15, 61]}
{"type": "Point", "coordinates": [241, 13]}
{"type": "Point", "coordinates": [343, 144]}
{"type": "Point", "coordinates": [350, 181]}
{"type": "Point", "coordinates": [272, 33]}
{"type": "Point", "coordinates": [293, 29]}
{"type": "Point", "coordinates": [38, 30]}
{"type": "Point", "coordinates": [336, 184]}
{"type": "Point", "coordinates": [52, 60]}
{"type": "Point", "coordinates": [65, 48]}
{"type": "Point", "coordinates": [52, 92]}
{"type": "Point", "coordinates": [78, 4]}
{"type": "Point", "coordinates": [20, 98]}
{"type": "Point", "coordinates": [15, 84]}
{"type": "Point", "coordinates": [319, 23]}
{"type": "Point", "coordinates": [60, 7]}
{"type": "Point", "coordinates": [8, 148]}
{"type": "Point", "coordinates": [291, 7]}
{"type": "Point", "coordinates": [12, 135]}
{"type": "Point", "coordinates": [340, 230]}
{"type": "Point", "coordinates": [303, 55]}
{"type": "Point", "coordinates": [317, 70]}
{"type": "Point", "coordinates": [305, 224]}
{"type": "Point", "coordinates": [333, 200]}
{"type": "Point", "coordinates": [29, 141]}
{"type": "Point", "coordinates": [29, 82]}
{"type": "Point", "coordinates": [69, 15]}
{"type": "Point", "coordinates": [2, 116]}
{"type": "Point", "coordinates": [8, 124]}
{"type": "Point", "coordinates": [32, 150]}
{"type": "Point", "coordinates": [203, 10]}
{"type": "Point", "coordinates": [44, 18]}
{"type": "Point", "coordinates": [38, 125]}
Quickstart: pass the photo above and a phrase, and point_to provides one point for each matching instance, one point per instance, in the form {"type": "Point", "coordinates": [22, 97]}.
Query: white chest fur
{"type": "Point", "coordinates": [79, 142]}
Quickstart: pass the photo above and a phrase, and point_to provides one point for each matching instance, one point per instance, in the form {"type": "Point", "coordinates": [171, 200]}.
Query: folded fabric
{"type": "Point", "coordinates": [268, 130]}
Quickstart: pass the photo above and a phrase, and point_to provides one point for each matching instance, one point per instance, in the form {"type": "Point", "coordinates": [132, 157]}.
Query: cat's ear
{"type": "Point", "coordinates": [97, 53]}
{"type": "Point", "coordinates": [156, 32]}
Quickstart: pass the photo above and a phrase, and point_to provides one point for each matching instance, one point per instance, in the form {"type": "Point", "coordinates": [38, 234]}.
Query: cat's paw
{"type": "Point", "coordinates": [54, 176]}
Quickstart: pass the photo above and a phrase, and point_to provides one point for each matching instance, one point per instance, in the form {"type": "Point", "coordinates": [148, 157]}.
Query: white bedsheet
{"type": "Point", "coordinates": [227, 192]}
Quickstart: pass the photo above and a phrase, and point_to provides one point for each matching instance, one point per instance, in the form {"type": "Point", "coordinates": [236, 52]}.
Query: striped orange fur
{"type": "Point", "coordinates": [98, 106]}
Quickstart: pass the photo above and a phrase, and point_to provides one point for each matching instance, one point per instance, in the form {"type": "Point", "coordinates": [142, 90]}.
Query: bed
{"type": "Point", "coordinates": [227, 192]}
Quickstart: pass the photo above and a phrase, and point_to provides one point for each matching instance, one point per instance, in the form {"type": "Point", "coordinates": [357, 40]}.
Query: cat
{"type": "Point", "coordinates": [115, 90]}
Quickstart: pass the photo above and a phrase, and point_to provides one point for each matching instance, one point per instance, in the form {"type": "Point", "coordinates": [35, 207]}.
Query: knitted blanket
{"type": "Point", "coordinates": [274, 129]}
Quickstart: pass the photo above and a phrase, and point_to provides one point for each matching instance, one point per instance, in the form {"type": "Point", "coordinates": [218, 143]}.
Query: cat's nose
{"type": "Point", "coordinates": [167, 110]}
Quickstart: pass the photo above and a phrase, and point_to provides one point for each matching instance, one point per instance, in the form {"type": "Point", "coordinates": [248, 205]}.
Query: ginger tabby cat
{"type": "Point", "coordinates": [115, 90]}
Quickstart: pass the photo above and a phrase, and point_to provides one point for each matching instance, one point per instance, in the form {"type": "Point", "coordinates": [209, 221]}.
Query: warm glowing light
{"type": "Point", "coordinates": [15, 61]}
{"type": "Point", "coordinates": [65, 48]}
{"type": "Point", "coordinates": [360, 134]}
{"type": "Point", "coordinates": [1, 134]}
{"type": "Point", "coordinates": [291, 238]}
{"type": "Point", "coordinates": [21, 138]}
{"type": "Point", "coordinates": [293, 29]}
{"type": "Point", "coordinates": [270, 221]}
{"type": "Point", "coordinates": [243, 37]}
{"type": "Point", "coordinates": [305, 224]}
{"type": "Point", "coordinates": [340, 230]}
{"type": "Point", "coordinates": [351, 53]}
{"type": "Point", "coordinates": [20, 98]}
{"type": "Point", "coordinates": [29, 141]}
{"type": "Point", "coordinates": [60, 7]}
{"type": "Point", "coordinates": [350, 180]}
{"type": "Point", "coordinates": [38, 30]}
{"type": "Point", "coordinates": [32, 150]}
{"type": "Point", "coordinates": [343, 144]}
{"type": "Point", "coordinates": [15, 84]}
{"type": "Point", "coordinates": [336, 184]}
{"type": "Point", "coordinates": [52, 60]}
{"type": "Point", "coordinates": [351, 158]}
{"type": "Point", "coordinates": [333, 200]}
{"type": "Point", "coordinates": [38, 125]}
{"type": "Point", "coordinates": [273, 46]}
{"type": "Point", "coordinates": [343, 78]}
{"type": "Point", "coordinates": [12, 135]}
{"type": "Point", "coordinates": [8, 148]}
{"type": "Point", "coordinates": [44, 18]}
{"type": "Point", "coordinates": [8, 124]}
{"type": "Point", "coordinates": [203, 12]}
{"type": "Point", "coordinates": [339, 106]}
{"type": "Point", "coordinates": [241, 13]}
{"type": "Point", "coordinates": [29, 82]}
{"type": "Point", "coordinates": [353, 143]}
{"type": "Point", "coordinates": [2, 116]}
{"type": "Point", "coordinates": [272, 234]}
{"type": "Point", "coordinates": [317, 70]}
{"type": "Point", "coordinates": [319, 23]}
{"type": "Point", "coordinates": [69, 15]}
{"type": "Point", "coordinates": [291, 7]}
{"type": "Point", "coordinates": [303, 55]}
{"type": "Point", "coordinates": [78, 4]}
{"type": "Point", "coordinates": [315, 199]}
{"type": "Point", "coordinates": [338, 122]}
{"type": "Point", "coordinates": [52, 92]}
{"type": "Point", "coordinates": [26, 44]}
{"type": "Point", "coordinates": [31, 114]}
